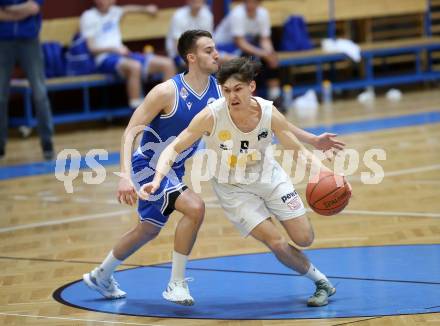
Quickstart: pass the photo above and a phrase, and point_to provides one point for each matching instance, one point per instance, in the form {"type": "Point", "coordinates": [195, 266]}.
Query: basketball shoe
{"type": "Point", "coordinates": [324, 290]}
{"type": "Point", "coordinates": [108, 287]}
{"type": "Point", "coordinates": [178, 292]}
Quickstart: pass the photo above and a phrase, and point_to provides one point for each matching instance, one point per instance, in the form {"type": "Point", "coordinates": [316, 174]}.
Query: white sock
{"type": "Point", "coordinates": [314, 274]}
{"type": "Point", "coordinates": [178, 267]}
{"type": "Point", "coordinates": [109, 265]}
{"type": "Point", "coordinates": [273, 93]}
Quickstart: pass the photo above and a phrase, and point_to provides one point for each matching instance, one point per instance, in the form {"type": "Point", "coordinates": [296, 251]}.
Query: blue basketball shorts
{"type": "Point", "coordinates": [157, 209]}
{"type": "Point", "coordinates": [109, 65]}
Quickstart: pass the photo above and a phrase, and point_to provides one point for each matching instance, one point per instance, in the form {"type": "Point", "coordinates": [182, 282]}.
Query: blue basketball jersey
{"type": "Point", "coordinates": [164, 128]}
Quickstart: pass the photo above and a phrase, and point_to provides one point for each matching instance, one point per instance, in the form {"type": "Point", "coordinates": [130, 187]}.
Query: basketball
{"type": "Point", "coordinates": [328, 193]}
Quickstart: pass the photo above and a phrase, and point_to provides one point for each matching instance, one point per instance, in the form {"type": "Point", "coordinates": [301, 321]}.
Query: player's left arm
{"type": "Point", "coordinates": [324, 141]}
{"type": "Point", "coordinates": [202, 124]}
{"type": "Point", "coordinates": [288, 139]}
{"type": "Point", "coordinates": [148, 9]}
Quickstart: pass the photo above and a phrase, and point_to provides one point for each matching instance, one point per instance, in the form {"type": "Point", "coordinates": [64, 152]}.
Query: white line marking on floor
{"type": "Point", "coordinates": [363, 212]}
{"type": "Point", "coordinates": [31, 303]}
{"type": "Point", "coordinates": [67, 220]}
{"type": "Point", "coordinates": [412, 170]}
{"type": "Point", "coordinates": [76, 319]}
{"type": "Point", "coordinates": [211, 203]}
{"type": "Point", "coordinates": [390, 213]}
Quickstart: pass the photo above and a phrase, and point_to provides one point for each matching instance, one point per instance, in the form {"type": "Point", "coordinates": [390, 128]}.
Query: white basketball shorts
{"type": "Point", "coordinates": [247, 205]}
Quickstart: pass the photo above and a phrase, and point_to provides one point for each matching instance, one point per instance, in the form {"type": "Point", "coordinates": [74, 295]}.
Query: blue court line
{"type": "Point", "coordinates": [49, 167]}
{"type": "Point", "coordinates": [378, 124]}
{"type": "Point", "coordinates": [38, 168]}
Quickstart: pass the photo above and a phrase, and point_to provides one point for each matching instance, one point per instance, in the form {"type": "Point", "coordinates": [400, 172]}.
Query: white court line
{"type": "Point", "coordinates": [209, 205]}
{"type": "Point", "coordinates": [27, 303]}
{"type": "Point", "coordinates": [363, 212]}
{"type": "Point", "coordinates": [424, 182]}
{"type": "Point", "coordinates": [353, 178]}
{"type": "Point", "coordinates": [412, 170]}
{"type": "Point", "coordinates": [67, 220]}
{"type": "Point", "coordinates": [388, 213]}
{"type": "Point", "coordinates": [212, 204]}
{"type": "Point", "coordinates": [76, 319]}
{"type": "Point", "coordinates": [83, 200]}
{"type": "Point", "coordinates": [78, 200]}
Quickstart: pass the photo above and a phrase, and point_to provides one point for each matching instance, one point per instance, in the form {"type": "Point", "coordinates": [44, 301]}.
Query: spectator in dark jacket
{"type": "Point", "coordinates": [20, 23]}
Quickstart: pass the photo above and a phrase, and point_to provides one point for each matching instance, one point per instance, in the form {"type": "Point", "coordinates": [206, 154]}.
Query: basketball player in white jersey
{"type": "Point", "coordinates": [239, 129]}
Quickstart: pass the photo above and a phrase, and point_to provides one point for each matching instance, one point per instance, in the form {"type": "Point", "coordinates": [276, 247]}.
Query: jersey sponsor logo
{"type": "Point", "coordinates": [288, 196]}
{"type": "Point", "coordinates": [227, 145]}
{"type": "Point", "coordinates": [244, 146]}
{"type": "Point", "coordinates": [224, 135]}
{"type": "Point", "coordinates": [295, 203]}
{"type": "Point", "coordinates": [330, 203]}
{"type": "Point", "coordinates": [183, 93]}
{"type": "Point", "coordinates": [189, 105]}
{"type": "Point", "coordinates": [263, 134]}
{"type": "Point", "coordinates": [232, 161]}
{"type": "Point", "coordinates": [108, 26]}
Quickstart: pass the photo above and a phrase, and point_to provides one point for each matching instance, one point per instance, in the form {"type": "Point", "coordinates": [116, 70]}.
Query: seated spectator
{"type": "Point", "coordinates": [195, 15]}
{"type": "Point", "coordinates": [100, 26]}
{"type": "Point", "coordinates": [246, 30]}
{"type": "Point", "coordinates": [20, 23]}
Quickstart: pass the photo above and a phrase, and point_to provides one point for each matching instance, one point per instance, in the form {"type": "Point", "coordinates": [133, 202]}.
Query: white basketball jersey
{"type": "Point", "coordinates": [241, 157]}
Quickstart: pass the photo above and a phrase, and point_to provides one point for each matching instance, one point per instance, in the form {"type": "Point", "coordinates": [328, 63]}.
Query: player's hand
{"type": "Point", "coordinates": [148, 189]}
{"type": "Point", "coordinates": [326, 141]}
{"type": "Point", "coordinates": [126, 193]}
{"type": "Point", "coordinates": [350, 188]}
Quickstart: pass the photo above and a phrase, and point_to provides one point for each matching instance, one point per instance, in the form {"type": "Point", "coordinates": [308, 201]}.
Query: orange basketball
{"type": "Point", "coordinates": [328, 193]}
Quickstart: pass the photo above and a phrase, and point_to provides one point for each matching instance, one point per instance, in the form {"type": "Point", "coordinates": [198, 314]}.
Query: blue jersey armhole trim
{"type": "Point", "coordinates": [176, 103]}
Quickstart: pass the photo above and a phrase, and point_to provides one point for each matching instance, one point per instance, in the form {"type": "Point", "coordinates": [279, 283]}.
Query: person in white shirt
{"type": "Point", "coordinates": [195, 15]}
{"type": "Point", "coordinates": [246, 30]}
{"type": "Point", "coordinates": [101, 28]}
{"type": "Point", "coordinates": [249, 183]}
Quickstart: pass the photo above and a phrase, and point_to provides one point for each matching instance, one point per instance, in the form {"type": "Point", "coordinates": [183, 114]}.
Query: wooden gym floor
{"type": "Point", "coordinates": [49, 238]}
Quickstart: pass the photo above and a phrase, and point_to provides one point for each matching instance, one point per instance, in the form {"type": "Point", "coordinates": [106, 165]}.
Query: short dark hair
{"type": "Point", "coordinates": [242, 69]}
{"type": "Point", "coordinates": [187, 41]}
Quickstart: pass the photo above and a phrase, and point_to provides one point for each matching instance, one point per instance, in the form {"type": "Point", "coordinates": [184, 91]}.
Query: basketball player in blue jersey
{"type": "Point", "coordinates": [165, 112]}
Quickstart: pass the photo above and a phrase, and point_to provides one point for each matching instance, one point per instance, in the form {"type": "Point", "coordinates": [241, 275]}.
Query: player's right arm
{"type": "Point", "coordinates": [159, 100]}
{"type": "Point", "coordinates": [202, 124]}
{"type": "Point", "coordinates": [325, 141]}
